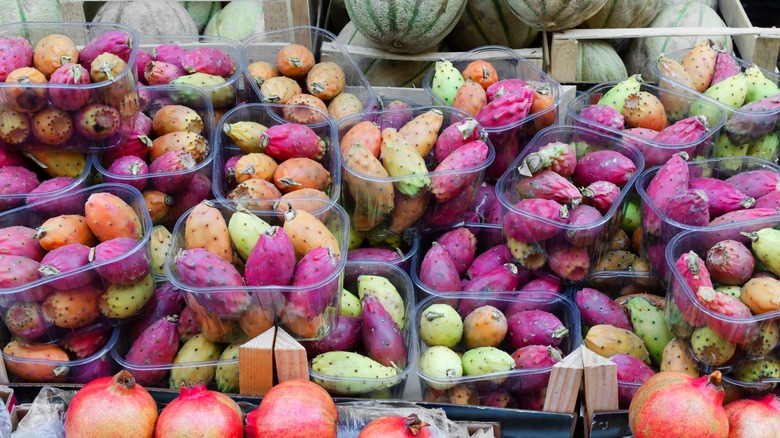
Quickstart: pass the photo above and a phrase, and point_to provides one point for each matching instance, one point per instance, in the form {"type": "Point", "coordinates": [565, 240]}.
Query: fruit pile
{"type": "Point", "coordinates": [97, 101]}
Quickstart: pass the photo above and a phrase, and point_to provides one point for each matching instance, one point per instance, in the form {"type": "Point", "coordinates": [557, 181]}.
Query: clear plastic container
{"type": "Point", "coordinates": [592, 239]}
{"type": "Point", "coordinates": [385, 388]}
{"type": "Point", "coordinates": [375, 217]}
{"type": "Point", "coordinates": [324, 46]}
{"type": "Point", "coordinates": [685, 312]}
{"type": "Point", "coordinates": [224, 95]}
{"type": "Point", "coordinates": [35, 103]}
{"type": "Point", "coordinates": [678, 107]}
{"type": "Point", "coordinates": [79, 371]}
{"type": "Point", "coordinates": [512, 138]}
{"type": "Point", "coordinates": [267, 114]}
{"type": "Point", "coordinates": [267, 303]}
{"type": "Point", "coordinates": [68, 309]}
{"type": "Point", "coordinates": [519, 387]}
{"type": "Point", "coordinates": [741, 126]}
{"type": "Point", "coordinates": [405, 246]}
{"type": "Point", "coordinates": [617, 284]}
{"type": "Point", "coordinates": [655, 240]}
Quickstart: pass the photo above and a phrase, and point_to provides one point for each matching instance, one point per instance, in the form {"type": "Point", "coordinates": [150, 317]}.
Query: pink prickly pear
{"type": "Point", "coordinates": [723, 196]}
{"type": "Point", "coordinates": [535, 327]}
{"type": "Point", "coordinates": [317, 265]}
{"type": "Point", "coordinates": [526, 228]}
{"type": "Point", "coordinates": [461, 245]}
{"type": "Point", "coordinates": [733, 233]}
{"type": "Point", "coordinates": [199, 189]}
{"type": "Point", "coordinates": [756, 183]}
{"type": "Point", "coordinates": [597, 308]}
{"type": "Point", "coordinates": [18, 270]}
{"type": "Point", "coordinates": [695, 273]}
{"type": "Point", "coordinates": [199, 268]}
{"type": "Point", "coordinates": [684, 131]}
{"type": "Point", "coordinates": [15, 180]}
{"type": "Point", "coordinates": [447, 186]}
{"type": "Point", "coordinates": [172, 163]}
{"type": "Point", "coordinates": [187, 325]}
{"type": "Point", "coordinates": [586, 234]}
{"type": "Point", "coordinates": [64, 259]}
{"type": "Point", "coordinates": [637, 136]}
{"type": "Point", "coordinates": [208, 60]}
{"type": "Point", "coordinates": [632, 373]}
{"type": "Point", "coordinates": [230, 170]}
{"type": "Point", "coordinates": [161, 73]}
{"type": "Point", "coordinates": [502, 278]}
{"type": "Point", "coordinates": [136, 143]}
{"type": "Point", "coordinates": [382, 338]}
{"type": "Point", "coordinates": [167, 300]}
{"type": "Point", "coordinates": [128, 170]}
{"type": "Point", "coordinates": [373, 255]}
{"type": "Point", "coordinates": [272, 260]}
{"type": "Point", "coordinates": [601, 195]}
{"type": "Point", "coordinates": [495, 256]}
{"type": "Point", "coordinates": [69, 99]}
{"type": "Point", "coordinates": [732, 307]}
{"type": "Point", "coordinates": [725, 67]}
{"type": "Point", "coordinates": [754, 120]}
{"type": "Point", "coordinates": [86, 342]}
{"type": "Point", "coordinates": [507, 109]}
{"type": "Point", "coordinates": [56, 187]}
{"type": "Point", "coordinates": [157, 345]}
{"type": "Point", "coordinates": [93, 370]}
{"type": "Point", "coordinates": [730, 262]}
{"type": "Point", "coordinates": [533, 357]}
{"type": "Point", "coordinates": [558, 157]}
{"type": "Point", "coordinates": [508, 146]}
{"type": "Point", "coordinates": [604, 165]}
{"type": "Point", "coordinates": [505, 87]}
{"type": "Point", "coordinates": [115, 42]}
{"type": "Point", "coordinates": [142, 58]}
{"type": "Point", "coordinates": [455, 136]}
{"type": "Point", "coordinates": [345, 337]}
{"type": "Point", "coordinates": [20, 241]}
{"type": "Point", "coordinates": [570, 262]}
{"type": "Point", "coordinates": [15, 53]}
{"type": "Point", "coordinates": [402, 115]}
{"type": "Point", "coordinates": [12, 158]}
{"type": "Point", "coordinates": [484, 201]}
{"type": "Point", "coordinates": [688, 208]}
{"type": "Point", "coordinates": [544, 284]}
{"type": "Point", "coordinates": [131, 266]}
{"type": "Point", "coordinates": [291, 140]}
{"type": "Point", "coordinates": [547, 184]}
{"type": "Point", "coordinates": [451, 212]}
{"type": "Point", "coordinates": [171, 53]}
{"type": "Point", "coordinates": [597, 116]}
{"type": "Point", "coordinates": [670, 180]}
{"type": "Point", "coordinates": [770, 200]}
{"type": "Point", "coordinates": [438, 272]}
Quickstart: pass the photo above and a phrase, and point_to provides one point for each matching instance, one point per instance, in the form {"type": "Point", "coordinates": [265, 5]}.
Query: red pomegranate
{"type": "Point", "coordinates": [396, 427]}
{"type": "Point", "coordinates": [675, 405]}
{"type": "Point", "coordinates": [111, 407]}
{"type": "Point", "coordinates": [200, 412]}
{"type": "Point", "coordinates": [294, 409]}
{"type": "Point", "coordinates": [754, 418]}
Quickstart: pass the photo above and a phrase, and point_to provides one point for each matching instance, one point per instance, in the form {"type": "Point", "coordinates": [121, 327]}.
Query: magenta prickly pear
{"type": "Point", "coordinates": [744, 216]}
{"type": "Point", "coordinates": [272, 260]}
{"type": "Point", "coordinates": [643, 134]}
{"type": "Point", "coordinates": [597, 308]}
{"type": "Point", "coordinates": [601, 195]}
{"type": "Point", "coordinates": [60, 261]}
{"type": "Point", "coordinates": [15, 53]}
{"type": "Point", "coordinates": [694, 271]}
{"type": "Point", "coordinates": [438, 272]}
{"type": "Point", "coordinates": [570, 262]}
{"type": "Point", "coordinates": [157, 345]}
{"type": "Point", "coordinates": [20, 241]}
{"type": "Point", "coordinates": [753, 120]}
{"type": "Point", "coordinates": [208, 60]}
{"type": "Point", "coordinates": [558, 157]}
{"type": "Point", "coordinates": [92, 370]}
{"type": "Point", "coordinates": [345, 337]}
{"type": "Point", "coordinates": [24, 320]}
{"type": "Point", "coordinates": [129, 170]}
{"type": "Point", "coordinates": [723, 196]}
{"type": "Point", "coordinates": [730, 262]}
{"type": "Point", "coordinates": [56, 187]}
{"type": "Point", "coordinates": [136, 143]}
{"type": "Point", "coordinates": [69, 99]}
{"type": "Point", "coordinates": [770, 200]}
{"type": "Point", "coordinates": [524, 228]}
{"type": "Point", "coordinates": [725, 67]}
{"type": "Point", "coordinates": [291, 140]}
{"type": "Point", "coordinates": [455, 136]}
{"type": "Point", "coordinates": [600, 115]}
{"type": "Point", "coordinates": [632, 372]}
{"type": "Point", "coordinates": [373, 255]}
{"type": "Point", "coordinates": [97, 121]}
{"type": "Point", "coordinates": [167, 300]}
{"type": "Point", "coordinates": [532, 357]}
{"type": "Point", "coordinates": [12, 158]}
{"type": "Point", "coordinates": [756, 183]}
{"type": "Point", "coordinates": [670, 180]}
{"type": "Point", "coordinates": [230, 170]}
{"type": "Point", "coordinates": [187, 326]}
{"type": "Point", "coordinates": [544, 284]}
{"type": "Point", "coordinates": [605, 165]}
{"type": "Point", "coordinates": [688, 208]}
{"type": "Point", "coordinates": [448, 186]}
{"type": "Point", "coordinates": [172, 163]}
{"type": "Point", "coordinates": [582, 217]}
{"type": "Point", "coordinates": [172, 53]}
{"type": "Point", "coordinates": [161, 73]}
{"type": "Point", "coordinates": [507, 109]}
{"type": "Point", "coordinates": [133, 264]}
{"type": "Point", "coordinates": [486, 205]}
{"type": "Point", "coordinates": [684, 131]}
{"type": "Point", "coordinates": [201, 269]}
{"type": "Point", "coordinates": [535, 327]}
{"type": "Point", "coordinates": [502, 278]}
{"type": "Point", "coordinates": [86, 342]}
{"type": "Point", "coordinates": [198, 190]}
{"type": "Point", "coordinates": [505, 87]}
{"type": "Point", "coordinates": [18, 270]}
{"type": "Point", "coordinates": [115, 42]}
{"type": "Point", "coordinates": [493, 257]}
{"type": "Point", "coordinates": [15, 180]}
{"type": "Point", "coordinates": [142, 57]}
{"type": "Point", "coordinates": [382, 339]}
{"type": "Point", "coordinates": [547, 184]}
{"type": "Point", "coordinates": [461, 245]}
{"type": "Point", "coordinates": [452, 211]}
{"type": "Point", "coordinates": [508, 147]}
{"type": "Point", "coordinates": [317, 265]}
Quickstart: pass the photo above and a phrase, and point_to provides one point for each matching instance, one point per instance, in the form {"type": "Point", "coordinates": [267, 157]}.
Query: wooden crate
{"type": "Point", "coordinates": [757, 45]}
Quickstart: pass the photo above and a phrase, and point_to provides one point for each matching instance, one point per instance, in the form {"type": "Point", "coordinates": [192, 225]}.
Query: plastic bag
{"type": "Point", "coordinates": [5, 421]}
{"type": "Point", "coordinates": [46, 418]}
{"type": "Point", "coordinates": [354, 416]}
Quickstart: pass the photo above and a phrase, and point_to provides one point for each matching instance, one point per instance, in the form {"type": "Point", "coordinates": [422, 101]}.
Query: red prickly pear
{"type": "Point", "coordinates": [534, 357]}
{"type": "Point", "coordinates": [272, 260]}
{"type": "Point", "coordinates": [345, 337]}
{"type": "Point", "coordinates": [317, 265]}
{"type": "Point", "coordinates": [199, 268]}
{"type": "Point", "coordinates": [770, 200]}
{"type": "Point", "coordinates": [125, 168]}
{"type": "Point", "coordinates": [547, 184]}
{"type": "Point", "coordinates": [732, 307]}
{"type": "Point", "coordinates": [446, 187]}
{"type": "Point", "coordinates": [455, 136]}
{"type": "Point", "coordinates": [502, 278]}
{"type": "Point", "coordinates": [684, 131]}
{"type": "Point", "coordinates": [58, 187]}
{"type": "Point", "coordinates": [86, 342]}
{"type": "Point", "coordinates": [167, 300]}
{"type": "Point", "coordinates": [688, 208]}
{"type": "Point", "coordinates": [161, 73]}
{"type": "Point", "coordinates": [132, 266]}
{"type": "Point", "coordinates": [632, 373]}
{"type": "Point", "coordinates": [115, 42]}
{"type": "Point", "coordinates": [535, 327]}
{"type": "Point", "coordinates": [438, 272]}
{"type": "Point", "coordinates": [461, 245]}
{"type": "Point", "coordinates": [507, 109]}
{"type": "Point", "coordinates": [173, 163]}
{"type": "Point", "coordinates": [451, 212]}
{"type": "Point", "coordinates": [64, 259]}
{"type": "Point", "coordinates": [756, 183]}
{"type": "Point", "coordinates": [137, 143]}
{"type": "Point", "coordinates": [208, 60]}
{"type": "Point", "coordinates": [582, 216]}
{"type": "Point", "coordinates": [505, 87]}
{"type": "Point", "coordinates": [495, 256]}
{"type": "Point", "coordinates": [753, 120]}
{"type": "Point", "coordinates": [11, 158]}
{"type": "Point", "coordinates": [545, 284]}
{"type": "Point", "coordinates": [558, 157]}
{"type": "Point", "coordinates": [596, 116]}
{"type": "Point", "coordinates": [730, 262]}
{"type": "Point", "coordinates": [601, 195]}
{"type": "Point", "coordinates": [172, 53]}
{"type": "Point", "coordinates": [694, 271]}
{"type": "Point", "coordinates": [25, 320]}
{"type": "Point", "coordinates": [20, 241]}
{"type": "Point", "coordinates": [670, 180]}
{"type": "Point", "coordinates": [142, 58]}
{"type": "Point", "coordinates": [97, 121]}
{"type": "Point", "coordinates": [291, 140]}
{"type": "Point", "coordinates": [157, 345]}
{"type": "Point", "coordinates": [605, 165]}
{"type": "Point", "coordinates": [69, 99]}
{"type": "Point", "coordinates": [723, 196]}
{"type": "Point", "coordinates": [198, 190]}
{"type": "Point", "coordinates": [570, 262]}
{"type": "Point", "coordinates": [382, 338]}
{"type": "Point", "coordinates": [725, 67]}
{"type": "Point", "coordinates": [93, 370]}
{"type": "Point", "coordinates": [373, 255]}
{"type": "Point", "coordinates": [15, 180]}
{"type": "Point", "coordinates": [15, 53]}
{"type": "Point", "coordinates": [597, 308]}
{"type": "Point", "coordinates": [523, 226]}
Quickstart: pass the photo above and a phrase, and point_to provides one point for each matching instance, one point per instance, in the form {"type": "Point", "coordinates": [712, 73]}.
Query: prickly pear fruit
{"type": "Point", "coordinates": [130, 170]}
{"type": "Point", "coordinates": [373, 198]}
{"type": "Point", "coordinates": [764, 370]}
{"type": "Point", "coordinates": [196, 349]}
{"type": "Point", "coordinates": [16, 53]}
{"type": "Point", "coordinates": [763, 242]}
{"type": "Point", "coordinates": [307, 233]}
{"type": "Point", "coordinates": [187, 326]}
{"type": "Point", "coordinates": [326, 80]}
{"type": "Point", "coordinates": [25, 321]}
{"type": "Point", "coordinates": [606, 340]}
{"type": "Point", "coordinates": [16, 181]}
{"type": "Point", "coordinates": [383, 290]}
{"type": "Point", "coordinates": [725, 67]}
{"type": "Point", "coordinates": [316, 266]}
{"type": "Point", "coordinates": [159, 246]}
{"type": "Point", "coordinates": [521, 227]}
{"type": "Point", "coordinates": [507, 109]}
{"type": "Point", "coordinates": [272, 260]}
{"type": "Point", "coordinates": [345, 337]}
{"type": "Point", "coordinates": [455, 136]}
{"type": "Point", "coordinates": [161, 73]}
{"type": "Point", "coordinates": [291, 140]}
{"type": "Point", "coordinates": [570, 262]}
{"type": "Point", "coordinates": [448, 186]}
{"type": "Point", "coordinates": [351, 373]}
{"type": "Point", "coordinates": [125, 300]}
{"type": "Point", "coordinates": [558, 157]}
{"type": "Point", "coordinates": [753, 121]}
{"type": "Point", "coordinates": [730, 92]}
{"type": "Point", "coordinates": [440, 324]}
{"type": "Point", "coordinates": [201, 269]}
{"type": "Point", "coordinates": [547, 184]}
{"type": "Point", "coordinates": [209, 61]}
{"type": "Point", "coordinates": [59, 262]}
{"type": "Point", "coordinates": [605, 165]}
{"type": "Point", "coordinates": [132, 264]}
{"type": "Point", "coordinates": [723, 197]}
{"type": "Point", "coordinates": [616, 96]}
{"type": "Point", "coordinates": [730, 262]}
{"type": "Point", "coordinates": [493, 257]}
{"type": "Point", "coordinates": [167, 300]}
{"type": "Point", "coordinates": [675, 358]}
{"type": "Point", "coordinates": [632, 372]}
{"type": "Point", "coordinates": [597, 308]}
{"type": "Point", "coordinates": [221, 93]}
{"type": "Point", "coordinates": [400, 158]}
{"type": "Point", "coordinates": [109, 217]}
{"type": "Point", "coordinates": [535, 327]}
{"type": "Point", "coordinates": [761, 295]}
{"type": "Point", "coordinates": [446, 81]}
{"type": "Point", "coordinates": [68, 99]}
{"type": "Point", "coordinates": [728, 305]}
{"type": "Point", "coordinates": [422, 131]}
{"type": "Point", "coordinates": [670, 180]}
{"type": "Point", "coordinates": [205, 228]}
{"type": "Point", "coordinates": [486, 360]}
{"type": "Point", "coordinates": [485, 326]}
{"type": "Point", "coordinates": [644, 110]}
{"type": "Point", "coordinates": [700, 64]}
{"type": "Point", "coordinates": [765, 342]}
{"type": "Point", "coordinates": [64, 230]}
{"type": "Point", "coordinates": [36, 371]}
{"type": "Point", "coordinates": [648, 323]}
{"type": "Point", "coordinates": [71, 308]}
{"type": "Point", "coordinates": [759, 86]}
{"type": "Point", "coordinates": [438, 271]}
{"type": "Point", "coordinates": [382, 337]}
{"type": "Point", "coordinates": [441, 363]}
{"type": "Point", "coordinates": [343, 105]}
{"type": "Point", "coordinates": [461, 245]}
{"type": "Point", "coordinates": [470, 98]}
{"type": "Point", "coordinates": [709, 348]}
{"type": "Point", "coordinates": [689, 208]}
{"type": "Point", "coordinates": [20, 241]}
{"type": "Point", "coordinates": [227, 373]}
{"type": "Point", "coordinates": [157, 345]}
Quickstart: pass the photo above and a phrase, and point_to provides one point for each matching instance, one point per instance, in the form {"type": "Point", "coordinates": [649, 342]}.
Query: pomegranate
{"type": "Point", "coordinates": [396, 427]}
{"type": "Point", "coordinates": [200, 412]}
{"type": "Point", "coordinates": [676, 405]}
{"type": "Point", "coordinates": [754, 418]}
{"type": "Point", "coordinates": [111, 407]}
{"type": "Point", "coordinates": [294, 409]}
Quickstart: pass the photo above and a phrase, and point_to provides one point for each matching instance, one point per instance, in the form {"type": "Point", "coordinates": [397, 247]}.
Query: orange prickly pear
{"type": "Point", "coordinates": [307, 233]}
{"type": "Point", "coordinates": [195, 144]}
{"type": "Point", "coordinates": [206, 228]}
{"type": "Point", "coordinates": [644, 110]}
{"type": "Point", "coordinates": [408, 210]}
{"type": "Point", "coordinates": [25, 99]}
{"type": "Point", "coordinates": [59, 163]}
{"type": "Point", "coordinates": [254, 194]}
{"type": "Point", "coordinates": [106, 67]}
{"type": "Point", "coordinates": [52, 52]}
{"type": "Point", "coordinates": [302, 111]}
{"type": "Point", "coordinates": [366, 134]}
{"type": "Point", "coordinates": [109, 217]}
{"type": "Point", "coordinates": [481, 72]}
{"type": "Point", "coordinates": [36, 372]}
{"type": "Point", "coordinates": [260, 71]}
{"type": "Point", "coordinates": [279, 89]}
{"type": "Point", "coordinates": [301, 173]}
{"type": "Point", "coordinates": [422, 131]}
{"type": "Point", "coordinates": [255, 165]}
{"type": "Point", "coordinates": [326, 80]}
{"type": "Point", "coordinates": [542, 100]}
{"type": "Point", "coordinates": [65, 230]}
{"type": "Point", "coordinates": [294, 61]}
{"type": "Point", "coordinates": [373, 196]}
{"type": "Point", "coordinates": [470, 97]}
{"type": "Point", "coordinates": [173, 118]}
{"type": "Point", "coordinates": [699, 63]}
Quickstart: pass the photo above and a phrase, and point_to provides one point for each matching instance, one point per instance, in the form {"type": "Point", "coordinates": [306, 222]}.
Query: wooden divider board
{"type": "Point", "coordinates": [256, 364]}
{"type": "Point", "coordinates": [289, 357]}
{"type": "Point", "coordinates": [601, 390]}
{"type": "Point", "coordinates": [564, 386]}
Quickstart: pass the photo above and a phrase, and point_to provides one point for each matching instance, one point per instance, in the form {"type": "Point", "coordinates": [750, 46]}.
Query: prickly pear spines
{"type": "Point", "coordinates": [700, 63]}
{"type": "Point", "coordinates": [648, 323]}
{"type": "Point", "coordinates": [597, 308]}
{"type": "Point", "coordinates": [644, 110]}
{"type": "Point", "coordinates": [709, 348]}
{"type": "Point", "coordinates": [446, 81]}
{"type": "Point", "coordinates": [616, 96]}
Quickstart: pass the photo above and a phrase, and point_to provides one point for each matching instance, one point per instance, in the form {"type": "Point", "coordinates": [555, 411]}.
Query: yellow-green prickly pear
{"type": "Point", "coordinates": [159, 246]}
{"type": "Point", "coordinates": [227, 373]}
{"type": "Point", "coordinates": [758, 85]}
{"type": "Point", "coordinates": [765, 244]}
{"type": "Point", "coordinates": [383, 290]}
{"type": "Point", "coordinates": [400, 158]}
{"type": "Point", "coordinates": [355, 373]}
{"type": "Point", "coordinates": [355, 238]}
{"type": "Point", "coordinates": [648, 323]}
{"type": "Point", "coordinates": [125, 300]}
{"type": "Point", "coordinates": [616, 96]}
{"type": "Point", "coordinates": [606, 340]}
{"type": "Point", "coordinates": [730, 92]}
{"type": "Point", "coordinates": [725, 149]}
{"type": "Point", "coordinates": [350, 304]}
{"type": "Point", "coordinates": [197, 349]}
{"type": "Point", "coordinates": [446, 81]}
{"type": "Point", "coordinates": [245, 229]}
{"type": "Point", "coordinates": [765, 147]}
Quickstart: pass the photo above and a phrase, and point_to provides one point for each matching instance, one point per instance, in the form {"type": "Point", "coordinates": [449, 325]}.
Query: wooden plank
{"type": "Point", "coordinates": [17, 413]}
{"type": "Point", "coordinates": [569, 92]}
{"type": "Point", "coordinates": [289, 357]}
{"type": "Point", "coordinates": [600, 378]}
{"type": "Point", "coordinates": [563, 66]}
{"type": "Point", "coordinates": [598, 34]}
{"type": "Point", "coordinates": [735, 17]}
{"type": "Point", "coordinates": [564, 386]}
{"type": "Point", "coordinates": [435, 56]}
{"type": "Point", "coordinates": [256, 364]}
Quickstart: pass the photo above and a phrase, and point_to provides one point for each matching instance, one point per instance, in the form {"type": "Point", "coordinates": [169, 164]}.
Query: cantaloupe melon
{"type": "Point", "coordinates": [238, 20]}
{"type": "Point", "coordinates": [23, 11]}
{"type": "Point", "coordinates": [554, 14]}
{"type": "Point", "coordinates": [149, 17]}
{"type": "Point", "coordinates": [597, 61]}
{"type": "Point", "coordinates": [201, 12]}
{"type": "Point", "coordinates": [618, 14]}
{"type": "Point", "coordinates": [490, 22]}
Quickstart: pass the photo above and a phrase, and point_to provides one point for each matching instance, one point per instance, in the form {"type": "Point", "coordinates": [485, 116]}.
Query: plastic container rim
{"type": "Point", "coordinates": [48, 196]}
{"type": "Point", "coordinates": [72, 363]}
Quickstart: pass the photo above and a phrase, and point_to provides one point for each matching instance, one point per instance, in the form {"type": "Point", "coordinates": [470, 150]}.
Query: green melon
{"type": "Point", "coordinates": [642, 52]}
{"type": "Point", "coordinates": [201, 12]}
{"type": "Point", "coordinates": [554, 14]}
{"type": "Point", "coordinates": [711, 3]}
{"type": "Point", "coordinates": [617, 14]}
{"type": "Point", "coordinates": [238, 20]}
{"type": "Point", "coordinates": [405, 26]}
{"type": "Point", "coordinates": [23, 11]}
{"type": "Point", "coordinates": [490, 22]}
{"type": "Point", "coordinates": [148, 18]}
{"type": "Point", "coordinates": [597, 61]}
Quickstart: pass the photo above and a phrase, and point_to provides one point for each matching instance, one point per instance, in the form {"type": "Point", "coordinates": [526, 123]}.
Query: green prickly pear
{"type": "Point", "coordinates": [441, 363]}
{"type": "Point", "coordinates": [441, 324]}
{"type": "Point", "coordinates": [616, 96]}
{"type": "Point", "coordinates": [159, 246]}
{"type": "Point", "coordinates": [245, 229]}
{"type": "Point", "coordinates": [765, 342]}
{"type": "Point", "coordinates": [758, 369]}
{"type": "Point", "coordinates": [632, 216]}
{"type": "Point", "coordinates": [221, 93]}
{"type": "Point", "coordinates": [446, 81]}
{"type": "Point", "coordinates": [125, 300]}
{"type": "Point", "coordinates": [759, 86]}
{"type": "Point", "coordinates": [197, 349]}
{"type": "Point", "coordinates": [765, 244]}
{"type": "Point", "coordinates": [725, 149]}
{"type": "Point", "coordinates": [227, 374]}
{"type": "Point", "coordinates": [353, 372]}
{"type": "Point", "coordinates": [711, 349]}
{"type": "Point", "coordinates": [730, 92]}
{"type": "Point", "coordinates": [487, 360]}
{"type": "Point", "coordinates": [350, 304]}
{"type": "Point", "coordinates": [765, 147]}
{"type": "Point", "coordinates": [734, 291]}
{"type": "Point", "coordinates": [383, 290]}
{"type": "Point", "coordinates": [401, 159]}
{"type": "Point", "coordinates": [355, 238]}
{"type": "Point", "coordinates": [648, 323]}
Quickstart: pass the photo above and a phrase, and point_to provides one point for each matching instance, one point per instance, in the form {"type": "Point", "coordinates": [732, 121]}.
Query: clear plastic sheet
{"type": "Point", "coordinates": [354, 416]}
{"type": "Point", "coordinates": [46, 418]}
{"type": "Point", "coordinates": [5, 420]}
